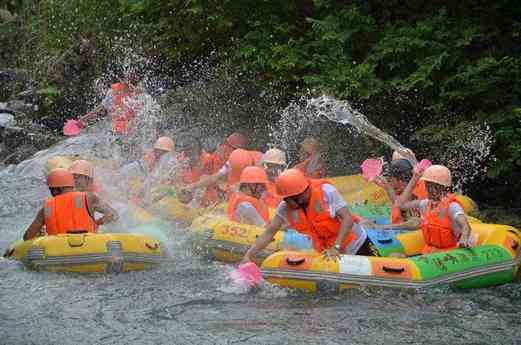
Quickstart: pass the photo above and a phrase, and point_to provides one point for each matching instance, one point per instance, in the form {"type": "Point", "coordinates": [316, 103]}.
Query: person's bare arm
{"type": "Point", "coordinates": [205, 181]}
{"type": "Point", "coordinates": [34, 229]}
{"type": "Point", "coordinates": [382, 182]}
{"type": "Point", "coordinates": [263, 240]}
{"type": "Point", "coordinates": [97, 205]}
{"type": "Point", "coordinates": [464, 225]}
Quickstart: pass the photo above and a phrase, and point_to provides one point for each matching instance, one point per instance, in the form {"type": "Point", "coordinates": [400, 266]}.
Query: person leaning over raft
{"type": "Point", "coordinates": [312, 164]}
{"type": "Point", "coordinates": [246, 205]}
{"type": "Point", "coordinates": [443, 221]}
{"type": "Point", "coordinates": [314, 208]}
{"type": "Point", "coordinates": [68, 210]}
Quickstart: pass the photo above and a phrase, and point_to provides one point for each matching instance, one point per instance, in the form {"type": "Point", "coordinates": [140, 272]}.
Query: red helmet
{"type": "Point", "coordinates": [237, 141]}
{"type": "Point", "coordinates": [60, 177]}
{"type": "Point", "coordinates": [291, 182]}
{"type": "Point", "coordinates": [253, 175]}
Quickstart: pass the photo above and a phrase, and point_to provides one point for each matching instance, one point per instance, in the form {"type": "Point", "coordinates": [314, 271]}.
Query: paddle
{"type": "Point", "coordinates": [372, 168]}
{"type": "Point", "coordinates": [247, 274]}
{"type": "Point", "coordinates": [71, 128]}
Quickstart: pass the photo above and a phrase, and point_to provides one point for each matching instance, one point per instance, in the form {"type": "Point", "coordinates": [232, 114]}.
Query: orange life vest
{"type": "Point", "coordinates": [122, 114]}
{"type": "Point", "coordinates": [232, 180]}
{"type": "Point", "coordinates": [437, 228]}
{"type": "Point", "coordinates": [316, 174]}
{"type": "Point", "coordinates": [316, 221]}
{"type": "Point", "coordinates": [419, 192]}
{"type": "Point", "coordinates": [270, 197]}
{"type": "Point", "coordinates": [193, 174]}
{"type": "Point", "coordinates": [68, 212]}
{"type": "Point", "coordinates": [240, 197]}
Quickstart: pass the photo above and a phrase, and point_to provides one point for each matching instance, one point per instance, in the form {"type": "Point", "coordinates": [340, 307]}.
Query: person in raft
{"type": "Point", "coordinates": [67, 210]}
{"type": "Point", "coordinates": [246, 205]}
{"type": "Point", "coordinates": [312, 163]}
{"type": "Point", "coordinates": [274, 163]}
{"type": "Point", "coordinates": [444, 223]}
{"type": "Point", "coordinates": [314, 208]}
{"type": "Point", "coordinates": [83, 173]}
{"type": "Point", "coordinates": [400, 173]}
{"type": "Point", "coordinates": [230, 172]}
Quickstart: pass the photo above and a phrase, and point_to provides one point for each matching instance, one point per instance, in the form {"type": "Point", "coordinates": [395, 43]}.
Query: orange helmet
{"type": "Point", "coordinates": [291, 182]}
{"type": "Point", "coordinates": [164, 144]}
{"type": "Point", "coordinates": [253, 175]}
{"type": "Point", "coordinates": [239, 159]}
{"type": "Point", "coordinates": [82, 167]}
{"type": "Point", "coordinates": [438, 174]}
{"type": "Point", "coordinates": [237, 141]}
{"type": "Point", "coordinates": [60, 177]}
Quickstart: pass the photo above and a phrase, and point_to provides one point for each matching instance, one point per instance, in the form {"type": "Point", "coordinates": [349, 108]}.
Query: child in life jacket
{"type": "Point", "coordinates": [400, 173]}
{"type": "Point", "coordinates": [444, 223]}
{"type": "Point", "coordinates": [246, 206]}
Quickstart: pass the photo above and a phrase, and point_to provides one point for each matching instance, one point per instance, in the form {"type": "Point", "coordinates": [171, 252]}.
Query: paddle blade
{"type": "Point", "coordinates": [248, 274]}
{"type": "Point", "coordinates": [371, 168]}
{"type": "Point", "coordinates": [422, 165]}
{"type": "Point", "coordinates": [71, 128]}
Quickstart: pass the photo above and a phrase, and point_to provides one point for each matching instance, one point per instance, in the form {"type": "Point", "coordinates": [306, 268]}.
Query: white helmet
{"type": "Point", "coordinates": [274, 156]}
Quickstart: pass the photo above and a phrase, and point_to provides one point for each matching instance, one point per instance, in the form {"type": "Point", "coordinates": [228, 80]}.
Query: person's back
{"type": "Point", "coordinates": [68, 212]}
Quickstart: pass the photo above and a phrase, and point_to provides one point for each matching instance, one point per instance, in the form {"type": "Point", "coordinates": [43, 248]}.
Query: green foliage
{"type": "Point", "coordinates": [459, 58]}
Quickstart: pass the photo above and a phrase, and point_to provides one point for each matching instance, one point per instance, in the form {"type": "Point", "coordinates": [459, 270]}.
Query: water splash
{"type": "Point", "coordinates": [342, 112]}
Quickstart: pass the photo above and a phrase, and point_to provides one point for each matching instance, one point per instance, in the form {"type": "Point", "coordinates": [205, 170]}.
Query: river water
{"type": "Point", "coordinates": [189, 300]}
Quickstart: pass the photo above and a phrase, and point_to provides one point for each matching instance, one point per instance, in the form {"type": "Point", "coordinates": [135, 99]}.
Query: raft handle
{"type": "Point", "coordinates": [393, 270]}
{"type": "Point", "coordinates": [152, 247]}
{"type": "Point", "coordinates": [515, 245]}
{"type": "Point", "coordinates": [385, 241]}
{"type": "Point", "coordinates": [77, 231]}
{"type": "Point", "coordinates": [296, 262]}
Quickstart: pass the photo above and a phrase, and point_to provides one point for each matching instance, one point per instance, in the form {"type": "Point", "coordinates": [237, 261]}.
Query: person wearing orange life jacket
{"type": "Point", "coordinates": [194, 165]}
{"type": "Point", "coordinates": [246, 205]}
{"type": "Point", "coordinates": [67, 210]}
{"type": "Point", "coordinates": [231, 171]}
{"type": "Point", "coordinates": [400, 174]}
{"type": "Point", "coordinates": [316, 209]}
{"type": "Point", "coordinates": [312, 163]}
{"type": "Point", "coordinates": [120, 104]}
{"type": "Point", "coordinates": [274, 163]}
{"type": "Point", "coordinates": [233, 141]}
{"type": "Point", "coordinates": [443, 221]}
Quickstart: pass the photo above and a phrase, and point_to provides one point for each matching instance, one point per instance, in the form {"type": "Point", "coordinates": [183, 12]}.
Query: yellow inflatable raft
{"type": "Point", "coordinates": [220, 239]}
{"type": "Point", "coordinates": [494, 261]}
{"type": "Point", "coordinates": [89, 253]}
{"type": "Point", "coordinates": [354, 188]}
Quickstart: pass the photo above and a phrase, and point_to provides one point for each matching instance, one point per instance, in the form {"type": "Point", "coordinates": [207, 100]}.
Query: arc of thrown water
{"type": "Point", "coordinates": [342, 112]}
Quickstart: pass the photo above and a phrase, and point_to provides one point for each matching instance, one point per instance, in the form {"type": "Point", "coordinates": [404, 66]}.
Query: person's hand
{"type": "Point", "coordinates": [464, 242]}
{"type": "Point", "coordinates": [380, 181]}
{"type": "Point", "coordinates": [418, 171]}
{"type": "Point", "coordinates": [368, 223]}
{"type": "Point", "coordinates": [331, 254]}
{"type": "Point", "coordinates": [246, 258]}
{"type": "Point", "coordinates": [81, 124]}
